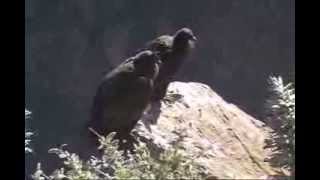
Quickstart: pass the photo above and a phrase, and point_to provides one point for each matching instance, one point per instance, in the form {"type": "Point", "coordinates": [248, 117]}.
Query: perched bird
{"type": "Point", "coordinates": [173, 50]}
{"type": "Point", "coordinates": [123, 94]}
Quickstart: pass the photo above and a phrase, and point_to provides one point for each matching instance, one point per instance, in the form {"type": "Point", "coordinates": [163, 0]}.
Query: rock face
{"type": "Point", "coordinates": [228, 142]}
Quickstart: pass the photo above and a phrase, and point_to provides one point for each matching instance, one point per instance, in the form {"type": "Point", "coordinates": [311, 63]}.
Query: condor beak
{"type": "Point", "coordinates": [194, 38]}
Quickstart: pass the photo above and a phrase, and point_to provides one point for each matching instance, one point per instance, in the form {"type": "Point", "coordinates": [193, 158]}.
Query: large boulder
{"type": "Point", "coordinates": [218, 135]}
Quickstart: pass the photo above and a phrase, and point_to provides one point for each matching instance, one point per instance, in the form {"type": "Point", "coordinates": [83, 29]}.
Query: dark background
{"type": "Point", "coordinates": [70, 43]}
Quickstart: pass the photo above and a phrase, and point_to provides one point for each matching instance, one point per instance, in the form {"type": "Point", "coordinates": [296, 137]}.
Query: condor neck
{"type": "Point", "coordinates": [180, 44]}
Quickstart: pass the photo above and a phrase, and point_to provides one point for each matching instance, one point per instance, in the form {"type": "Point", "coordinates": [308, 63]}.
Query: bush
{"type": "Point", "coordinates": [115, 164]}
{"type": "Point", "coordinates": [27, 133]}
{"type": "Point", "coordinates": [281, 117]}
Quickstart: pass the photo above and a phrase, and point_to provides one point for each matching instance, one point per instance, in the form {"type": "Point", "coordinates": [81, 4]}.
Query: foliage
{"type": "Point", "coordinates": [116, 164]}
{"type": "Point", "coordinates": [28, 134]}
{"type": "Point", "coordinates": [281, 117]}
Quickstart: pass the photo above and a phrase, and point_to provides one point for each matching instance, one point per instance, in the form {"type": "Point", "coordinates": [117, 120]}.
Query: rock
{"type": "Point", "coordinates": [225, 140]}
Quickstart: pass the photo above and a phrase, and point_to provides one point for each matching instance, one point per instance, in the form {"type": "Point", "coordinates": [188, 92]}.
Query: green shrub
{"type": "Point", "coordinates": [281, 117]}
{"type": "Point", "coordinates": [27, 133]}
{"type": "Point", "coordinates": [115, 164]}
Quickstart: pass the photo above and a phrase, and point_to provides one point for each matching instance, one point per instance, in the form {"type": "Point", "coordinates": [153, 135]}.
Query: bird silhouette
{"type": "Point", "coordinates": [172, 50]}
{"type": "Point", "coordinates": [123, 95]}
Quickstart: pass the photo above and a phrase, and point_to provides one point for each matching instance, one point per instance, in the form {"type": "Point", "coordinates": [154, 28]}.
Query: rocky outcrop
{"type": "Point", "coordinates": [225, 140]}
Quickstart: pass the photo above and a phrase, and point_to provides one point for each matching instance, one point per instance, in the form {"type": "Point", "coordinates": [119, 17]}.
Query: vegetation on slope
{"type": "Point", "coordinates": [281, 117]}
